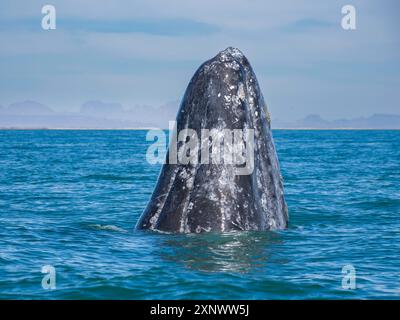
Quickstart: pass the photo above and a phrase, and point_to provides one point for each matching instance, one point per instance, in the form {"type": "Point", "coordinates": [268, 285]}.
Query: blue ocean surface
{"type": "Point", "coordinates": [71, 199]}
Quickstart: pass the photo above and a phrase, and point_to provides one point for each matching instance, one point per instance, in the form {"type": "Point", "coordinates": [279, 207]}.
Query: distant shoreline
{"type": "Point", "coordinates": [155, 128]}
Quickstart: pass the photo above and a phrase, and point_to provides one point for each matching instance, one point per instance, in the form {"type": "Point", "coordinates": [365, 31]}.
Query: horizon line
{"type": "Point", "coordinates": [155, 128]}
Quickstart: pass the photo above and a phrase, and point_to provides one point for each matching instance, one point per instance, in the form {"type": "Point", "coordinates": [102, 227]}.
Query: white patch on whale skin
{"type": "Point", "coordinates": [241, 92]}
{"type": "Point", "coordinates": [189, 182]}
{"type": "Point", "coordinates": [212, 196]}
{"type": "Point", "coordinates": [189, 175]}
{"type": "Point", "coordinates": [232, 65]}
{"type": "Point", "coordinates": [272, 224]}
{"type": "Point", "coordinates": [236, 53]}
{"type": "Point", "coordinates": [199, 229]}
{"type": "Point", "coordinates": [153, 220]}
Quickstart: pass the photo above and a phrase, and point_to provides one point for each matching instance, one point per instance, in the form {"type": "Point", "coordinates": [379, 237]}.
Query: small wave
{"type": "Point", "coordinates": [106, 177]}
{"type": "Point", "coordinates": [107, 227]}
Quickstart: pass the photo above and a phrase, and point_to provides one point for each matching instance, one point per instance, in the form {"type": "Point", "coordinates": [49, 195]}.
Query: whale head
{"type": "Point", "coordinates": [222, 102]}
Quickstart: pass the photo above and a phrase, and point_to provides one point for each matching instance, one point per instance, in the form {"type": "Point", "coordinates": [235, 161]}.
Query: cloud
{"type": "Point", "coordinates": [307, 25]}
{"type": "Point", "coordinates": [144, 52]}
{"type": "Point", "coordinates": [164, 27]}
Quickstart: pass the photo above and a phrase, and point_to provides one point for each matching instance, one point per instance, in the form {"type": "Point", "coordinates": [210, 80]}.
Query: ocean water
{"type": "Point", "coordinates": [70, 199]}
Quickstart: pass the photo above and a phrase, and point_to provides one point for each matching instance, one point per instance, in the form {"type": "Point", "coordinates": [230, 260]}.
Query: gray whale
{"type": "Point", "coordinates": [193, 198]}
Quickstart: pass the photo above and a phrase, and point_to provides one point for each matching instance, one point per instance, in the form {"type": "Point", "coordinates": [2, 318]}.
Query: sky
{"type": "Point", "coordinates": [145, 52]}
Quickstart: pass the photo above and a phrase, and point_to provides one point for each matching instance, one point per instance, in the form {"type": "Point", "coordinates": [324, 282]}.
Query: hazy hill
{"type": "Point", "coordinates": [25, 108]}
{"type": "Point", "coordinates": [376, 121]}
{"type": "Point", "coordinates": [99, 115]}
{"type": "Point", "coordinates": [101, 109]}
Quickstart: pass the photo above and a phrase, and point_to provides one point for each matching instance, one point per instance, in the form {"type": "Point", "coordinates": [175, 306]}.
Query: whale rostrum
{"type": "Point", "coordinates": [202, 196]}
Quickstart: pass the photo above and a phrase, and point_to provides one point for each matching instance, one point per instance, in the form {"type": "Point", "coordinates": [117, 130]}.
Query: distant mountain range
{"type": "Point", "coordinates": [92, 114]}
{"type": "Point", "coordinates": [102, 115]}
{"type": "Point", "coordinates": [314, 121]}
